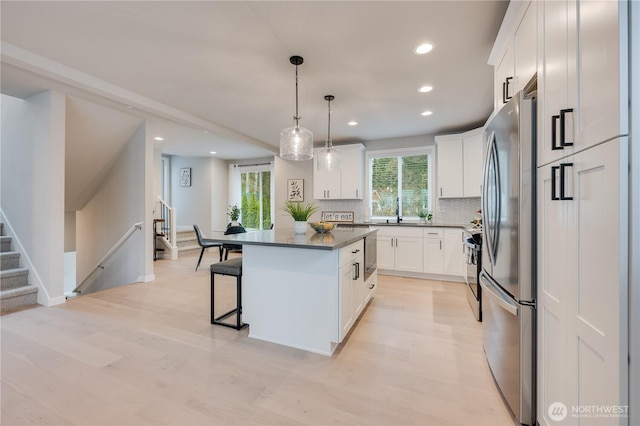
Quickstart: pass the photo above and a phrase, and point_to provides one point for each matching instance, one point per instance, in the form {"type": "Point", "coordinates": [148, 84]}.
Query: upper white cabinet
{"type": "Point", "coordinates": [460, 164]}
{"type": "Point", "coordinates": [583, 79]}
{"type": "Point", "coordinates": [515, 54]}
{"type": "Point", "coordinates": [346, 183]}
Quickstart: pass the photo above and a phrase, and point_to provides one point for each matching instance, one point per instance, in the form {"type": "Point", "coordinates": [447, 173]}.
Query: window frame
{"type": "Point", "coordinates": [428, 150]}
{"type": "Point", "coordinates": [253, 168]}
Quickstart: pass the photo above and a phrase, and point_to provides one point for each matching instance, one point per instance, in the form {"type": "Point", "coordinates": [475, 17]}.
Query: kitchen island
{"type": "Point", "coordinates": [303, 290]}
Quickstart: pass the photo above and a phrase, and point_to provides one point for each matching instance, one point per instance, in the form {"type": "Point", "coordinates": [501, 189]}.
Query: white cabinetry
{"type": "Point", "coordinates": [460, 164]}
{"type": "Point", "coordinates": [453, 249]}
{"type": "Point", "coordinates": [400, 248]}
{"type": "Point", "coordinates": [346, 183]}
{"type": "Point", "coordinates": [583, 79]}
{"type": "Point", "coordinates": [352, 292]}
{"type": "Point", "coordinates": [583, 283]}
{"type": "Point", "coordinates": [433, 251]}
{"type": "Point", "coordinates": [515, 59]}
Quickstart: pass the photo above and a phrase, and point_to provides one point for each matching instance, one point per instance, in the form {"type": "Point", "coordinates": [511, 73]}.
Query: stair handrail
{"type": "Point", "coordinates": [112, 250]}
{"type": "Point", "coordinates": [168, 213]}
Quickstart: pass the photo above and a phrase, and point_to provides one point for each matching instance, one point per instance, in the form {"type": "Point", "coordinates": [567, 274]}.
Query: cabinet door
{"type": "Point", "coordinates": [386, 252]}
{"type": "Point", "coordinates": [450, 168]}
{"type": "Point", "coordinates": [525, 42]}
{"type": "Point", "coordinates": [346, 299]}
{"type": "Point", "coordinates": [352, 172]}
{"type": "Point", "coordinates": [453, 252]}
{"type": "Point", "coordinates": [504, 76]}
{"type": "Point", "coordinates": [433, 255]}
{"type": "Point", "coordinates": [408, 254]}
{"type": "Point", "coordinates": [583, 283]}
{"type": "Point", "coordinates": [472, 161]}
{"type": "Point", "coordinates": [326, 185]}
{"type": "Point", "coordinates": [601, 110]}
{"type": "Point", "coordinates": [559, 35]}
{"type": "Point", "coordinates": [553, 249]}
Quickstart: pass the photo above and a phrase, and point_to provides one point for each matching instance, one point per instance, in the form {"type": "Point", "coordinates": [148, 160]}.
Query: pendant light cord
{"type": "Point", "coordinates": [296, 116]}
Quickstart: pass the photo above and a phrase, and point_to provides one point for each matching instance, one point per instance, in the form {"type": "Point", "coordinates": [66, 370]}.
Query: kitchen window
{"type": "Point", "coordinates": [399, 179]}
{"type": "Point", "coordinates": [252, 190]}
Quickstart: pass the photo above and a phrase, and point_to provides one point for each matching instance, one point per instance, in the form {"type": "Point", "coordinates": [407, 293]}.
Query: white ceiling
{"type": "Point", "coordinates": [224, 66]}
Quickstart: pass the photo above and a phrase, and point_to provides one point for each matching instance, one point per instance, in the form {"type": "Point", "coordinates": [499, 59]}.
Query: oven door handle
{"type": "Point", "coordinates": [497, 294]}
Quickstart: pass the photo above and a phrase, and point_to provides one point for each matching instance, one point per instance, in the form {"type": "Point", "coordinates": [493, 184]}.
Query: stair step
{"type": "Point", "coordinates": [14, 278]}
{"type": "Point", "coordinates": [17, 298]}
{"type": "Point", "coordinates": [5, 243]}
{"type": "Point", "coordinates": [9, 260]}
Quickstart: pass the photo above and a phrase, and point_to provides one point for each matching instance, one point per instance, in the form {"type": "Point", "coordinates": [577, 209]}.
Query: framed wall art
{"type": "Point", "coordinates": [185, 176]}
{"type": "Point", "coordinates": [295, 190]}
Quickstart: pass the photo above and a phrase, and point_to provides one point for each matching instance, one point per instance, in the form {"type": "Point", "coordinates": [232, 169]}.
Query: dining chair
{"type": "Point", "coordinates": [205, 243]}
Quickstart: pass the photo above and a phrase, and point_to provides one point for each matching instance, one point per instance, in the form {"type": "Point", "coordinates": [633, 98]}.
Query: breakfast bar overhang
{"type": "Point", "coordinates": [303, 290]}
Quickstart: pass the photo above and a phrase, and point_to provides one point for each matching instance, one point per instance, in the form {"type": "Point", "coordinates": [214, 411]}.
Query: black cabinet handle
{"type": "Point", "coordinates": [562, 181]}
{"type": "Point", "coordinates": [507, 97]}
{"type": "Point", "coordinates": [356, 251]}
{"type": "Point", "coordinates": [554, 169]}
{"type": "Point", "coordinates": [554, 131]}
{"type": "Point", "coordinates": [563, 137]}
{"type": "Point", "coordinates": [504, 92]}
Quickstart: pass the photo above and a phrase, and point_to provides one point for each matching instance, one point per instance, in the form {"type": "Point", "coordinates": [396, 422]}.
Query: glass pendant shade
{"type": "Point", "coordinates": [296, 143]}
{"type": "Point", "coordinates": [328, 159]}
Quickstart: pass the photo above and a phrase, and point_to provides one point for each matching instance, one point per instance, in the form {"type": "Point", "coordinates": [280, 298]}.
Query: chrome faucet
{"type": "Point", "coordinates": [398, 218]}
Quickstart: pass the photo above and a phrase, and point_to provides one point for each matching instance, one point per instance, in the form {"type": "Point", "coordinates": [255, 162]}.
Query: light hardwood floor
{"type": "Point", "coordinates": [146, 354]}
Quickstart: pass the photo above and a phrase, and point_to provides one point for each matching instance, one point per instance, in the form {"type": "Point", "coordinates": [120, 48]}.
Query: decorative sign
{"type": "Point", "coordinates": [295, 190]}
{"type": "Point", "coordinates": [337, 217]}
{"type": "Point", "coordinates": [185, 176]}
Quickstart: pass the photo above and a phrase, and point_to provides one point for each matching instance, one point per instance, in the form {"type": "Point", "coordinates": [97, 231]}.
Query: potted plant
{"type": "Point", "coordinates": [300, 212]}
{"type": "Point", "coordinates": [234, 215]}
{"type": "Point", "coordinates": [422, 214]}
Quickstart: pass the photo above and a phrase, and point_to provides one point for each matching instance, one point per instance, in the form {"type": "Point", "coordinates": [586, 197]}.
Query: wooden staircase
{"type": "Point", "coordinates": [187, 242]}
{"type": "Point", "coordinates": [15, 291]}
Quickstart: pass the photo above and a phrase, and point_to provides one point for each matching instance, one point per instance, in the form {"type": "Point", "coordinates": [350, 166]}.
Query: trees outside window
{"type": "Point", "coordinates": [399, 180]}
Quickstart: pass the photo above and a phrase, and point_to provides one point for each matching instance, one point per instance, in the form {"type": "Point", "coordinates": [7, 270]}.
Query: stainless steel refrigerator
{"type": "Point", "coordinates": [508, 250]}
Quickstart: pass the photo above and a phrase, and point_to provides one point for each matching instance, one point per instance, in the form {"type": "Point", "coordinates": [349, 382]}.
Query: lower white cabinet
{"type": "Point", "coordinates": [433, 251]}
{"type": "Point", "coordinates": [400, 248]}
{"type": "Point", "coordinates": [419, 249]}
{"type": "Point", "coordinates": [352, 286]}
{"type": "Point", "coordinates": [583, 282]}
{"type": "Point", "coordinates": [453, 250]}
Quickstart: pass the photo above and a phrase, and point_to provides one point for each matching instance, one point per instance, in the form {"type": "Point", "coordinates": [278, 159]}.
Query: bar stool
{"type": "Point", "coordinates": [232, 268]}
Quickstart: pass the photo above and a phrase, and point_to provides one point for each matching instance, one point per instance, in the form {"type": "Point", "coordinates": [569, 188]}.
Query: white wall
{"type": "Point", "coordinates": [219, 194]}
{"type": "Point", "coordinates": [32, 147]}
{"type": "Point", "coordinates": [125, 197]}
{"type": "Point", "coordinates": [284, 170]}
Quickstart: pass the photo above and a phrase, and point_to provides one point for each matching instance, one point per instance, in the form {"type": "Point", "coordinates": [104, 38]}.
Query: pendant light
{"type": "Point", "coordinates": [329, 157]}
{"type": "Point", "coordinates": [296, 143]}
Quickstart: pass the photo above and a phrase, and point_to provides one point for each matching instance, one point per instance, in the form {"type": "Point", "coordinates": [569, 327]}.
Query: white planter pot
{"type": "Point", "coordinates": [299, 227]}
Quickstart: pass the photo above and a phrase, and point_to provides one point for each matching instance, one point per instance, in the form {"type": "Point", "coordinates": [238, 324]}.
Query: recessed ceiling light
{"type": "Point", "coordinates": [158, 138]}
{"type": "Point", "coordinates": [427, 113]}
{"type": "Point", "coordinates": [130, 106]}
{"type": "Point", "coordinates": [352, 123]}
{"type": "Point", "coordinates": [206, 131]}
{"type": "Point", "coordinates": [425, 89]}
{"type": "Point", "coordinates": [423, 48]}
{"type": "Point", "coordinates": [212, 152]}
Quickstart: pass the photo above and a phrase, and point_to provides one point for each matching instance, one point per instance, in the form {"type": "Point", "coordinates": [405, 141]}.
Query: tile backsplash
{"type": "Point", "coordinates": [448, 211]}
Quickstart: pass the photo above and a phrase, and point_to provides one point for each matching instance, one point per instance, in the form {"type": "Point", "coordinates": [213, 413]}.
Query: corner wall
{"type": "Point", "coordinates": [123, 199]}
{"type": "Point", "coordinates": [32, 148]}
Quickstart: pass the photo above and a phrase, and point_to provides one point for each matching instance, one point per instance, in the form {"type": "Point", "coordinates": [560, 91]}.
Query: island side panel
{"type": "Point", "coordinates": [290, 296]}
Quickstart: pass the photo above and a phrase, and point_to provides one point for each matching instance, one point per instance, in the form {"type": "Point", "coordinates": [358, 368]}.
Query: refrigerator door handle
{"type": "Point", "coordinates": [497, 294]}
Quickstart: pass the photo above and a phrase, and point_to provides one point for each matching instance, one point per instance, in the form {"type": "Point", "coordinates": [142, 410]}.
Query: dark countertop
{"type": "Point", "coordinates": [335, 239]}
{"type": "Point", "coordinates": [414, 224]}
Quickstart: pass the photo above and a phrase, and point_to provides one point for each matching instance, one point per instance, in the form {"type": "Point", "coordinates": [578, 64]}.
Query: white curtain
{"type": "Point", "coordinates": [235, 188]}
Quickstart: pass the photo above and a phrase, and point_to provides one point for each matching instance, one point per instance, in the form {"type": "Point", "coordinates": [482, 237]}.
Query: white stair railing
{"type": "Point", "coordinates": [112, 250]}
{"type": "Point", "coordinates": [168, 226]}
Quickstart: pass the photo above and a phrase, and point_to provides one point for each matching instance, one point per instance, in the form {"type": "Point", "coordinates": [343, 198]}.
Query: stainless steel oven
{"type": "Point", "coordinates": [370, 255]}
{"type": "Point", "coordinates": [473, 262]}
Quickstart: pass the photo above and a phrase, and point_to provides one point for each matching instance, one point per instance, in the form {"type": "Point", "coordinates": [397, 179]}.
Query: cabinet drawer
{"type": "Point", "coordinates": [399, 231]}
{"type": "Point", "coordinates": [434, 233]}
{"type": "Point", "coordinates": [349, 253]}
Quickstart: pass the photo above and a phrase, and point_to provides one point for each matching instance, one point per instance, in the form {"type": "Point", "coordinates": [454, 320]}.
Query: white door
{"type": "Point", "coordinates": [433, 255]}
{"type": "Point", "coordinates": [386, 252]}
{"type": "Point", "coordinates": [408, 254]}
